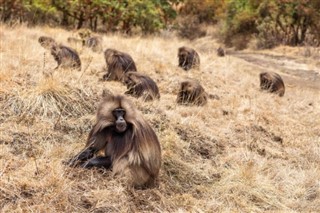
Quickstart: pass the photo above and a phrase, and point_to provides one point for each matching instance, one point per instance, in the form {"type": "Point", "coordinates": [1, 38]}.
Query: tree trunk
{"type": "Point", "coordinates": [80, 21]}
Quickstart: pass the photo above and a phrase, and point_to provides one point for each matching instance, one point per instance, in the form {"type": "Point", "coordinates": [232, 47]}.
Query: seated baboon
{"type": "Point", "coordinates": [92, 42]}
{"type": "Point", "coordinates": [119, 64]}
{"type": "Point", "coordinates": [122, 140]}
{"type": "Point", "coordinates": [66, 57]}
{"type": "Point", "coordinates": [188, 58]}
{"type": "Point", "coordinates": [220, 52]}
{"type": "Point", "coordinates": [272, 82]}
{"type": "Point", "coordinates": [140, 85]}
{"type": "Point", "coordinates": [192, 93]}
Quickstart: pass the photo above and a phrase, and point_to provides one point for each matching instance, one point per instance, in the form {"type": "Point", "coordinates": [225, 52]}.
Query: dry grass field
{"type": "Point", "coordinates": [249, 151]}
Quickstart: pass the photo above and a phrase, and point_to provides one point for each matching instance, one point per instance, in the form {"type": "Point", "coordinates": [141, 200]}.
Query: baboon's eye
{"type": "Point", "coordinates": [119, 112]}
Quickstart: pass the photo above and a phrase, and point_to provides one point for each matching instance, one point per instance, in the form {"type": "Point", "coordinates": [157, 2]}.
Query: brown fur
{"type": "Point", "coordinates": [92, 42]}
{"type": "Point", "coordinates": [140, 85]}
{"type": "Point", "coordinates": [272, 82]}
{"type": "Point", "coordinates": [192, 93]}
{"type": "Point", "coordinates": [188, 58]}
{"type": "Point", "coordinates": [118, 64]}
{"type": "Point", "coordinates": [220, 52]}
{"type": "Point", "coordinates": [66, 57]}
{"type": "Point", "coordinates": [135, 153]}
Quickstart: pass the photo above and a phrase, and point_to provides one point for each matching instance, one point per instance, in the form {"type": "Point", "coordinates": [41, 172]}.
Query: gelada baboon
{"type": "Point", "coordinates": [192, 93]}
{"type": "Point", "coordinates": [118, 64]}
{"type": "Point", "coordinates": [188, 58]}
{"type": "Point", "coordinates": [220, 52]}
{"type": "Point", "coordinates": [66, 57]}
{"type": "Point", "coordinates": [92, 42]}
{"type": "Point", "coordinates": [140, 85]}
{"type": "Point", "coordinates": [272, 82]}
{"type": "Point", "coordinates": [130, 146]}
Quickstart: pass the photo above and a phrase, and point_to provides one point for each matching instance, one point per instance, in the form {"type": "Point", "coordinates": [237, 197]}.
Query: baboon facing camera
{"type": "Point", "coordinates": [192, 93]}
{"type": "Point", "coordinates": [188, 58]}
{"type": "Point", "coordinates": [129, 144]}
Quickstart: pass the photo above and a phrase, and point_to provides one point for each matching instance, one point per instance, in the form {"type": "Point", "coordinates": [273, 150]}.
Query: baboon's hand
{"type": "Point", "coordinates": [82, 157]}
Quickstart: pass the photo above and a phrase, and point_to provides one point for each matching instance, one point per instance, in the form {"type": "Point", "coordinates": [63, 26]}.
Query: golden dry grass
{"type": "Point", "coordinates": [249, 151]}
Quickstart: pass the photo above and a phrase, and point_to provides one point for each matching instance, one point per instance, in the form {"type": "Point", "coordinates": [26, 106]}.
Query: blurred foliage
{"type": "Point", "coordinates": [205, 11]}
{"type": "Point", "coordinates": [124, 15]}
{"type": "Point", "coordinates": [270, 22]}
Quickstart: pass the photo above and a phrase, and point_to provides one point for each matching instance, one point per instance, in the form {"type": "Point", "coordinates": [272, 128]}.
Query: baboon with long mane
{"type": "Point", "coordinates": [192, 93]}
{"type": "Point", "coordinates": [140, 85]}
{"type": "Point", "coordinates": [66, 57]}
{"type": "Point", "coordinates": [92, 42]}
{"type": "Point", "coordinates": [188, 58]}
{"type": "Point", "coordinates": [131, 147]}
{"type": "Point", "coordinates": [118, 64]}
{"type": "Point", "coordinates": [272, 82]}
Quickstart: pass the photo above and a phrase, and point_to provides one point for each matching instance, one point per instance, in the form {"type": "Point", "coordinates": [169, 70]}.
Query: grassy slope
{"type": "Point", "coordinates": [248, 151]}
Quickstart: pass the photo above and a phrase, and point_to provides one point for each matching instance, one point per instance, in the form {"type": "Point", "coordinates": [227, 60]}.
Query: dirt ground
{"type": "Point", "coordinates": [295, 72]}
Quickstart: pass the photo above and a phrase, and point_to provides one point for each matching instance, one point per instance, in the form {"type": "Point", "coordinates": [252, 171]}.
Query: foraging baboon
{"type": "Point", "coordinates": [140, 85]}
{"type": "Point", "coordinates": [220, 52]}
{"type": "Point", "coordinates": [92, 42]}
{"type": "Point", "coordinates": [118, 64]}
{"type": "Point", "coordinates": [272, 82]}
{"type": "Point", "coordinates": [66, 57]}
{"type": "Point", "coordinates": [192, 93]}
{"type": "Point", "coordinates": [188, 58]}
{"type": "Point", "coordinates": [131, 147]}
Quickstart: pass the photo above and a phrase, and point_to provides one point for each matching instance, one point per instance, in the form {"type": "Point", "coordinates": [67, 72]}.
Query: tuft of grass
{"type": "Point", "coordinates": [51, 98]}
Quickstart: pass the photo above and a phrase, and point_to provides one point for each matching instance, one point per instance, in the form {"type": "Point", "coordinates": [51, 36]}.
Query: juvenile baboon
{"type": "Point", "coordinates": [92, 42]}
{"type": "Point", "coordinates": [66, 57]}
{"type": "Point", "coordinates": [192, 93]}
{"type": "Point", "coordinates": [130, 146]}
{"type": "Point", "coordinates": [118, 64]}
{"type": "Point", "coordinates": [140, 85]}
{"type": "Point", "coordinates": [220, 52]}
{"type": "Point", "coordinates": [272, 82]}
{"type": "Point", "coordinates": [188, 58]}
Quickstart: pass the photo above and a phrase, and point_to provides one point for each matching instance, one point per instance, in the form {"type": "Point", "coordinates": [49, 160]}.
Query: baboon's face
{"type": "Point", "coordinates": [265, 82]}
{"type": "Point", "coordinates": [47, 42]}
{"type": "Point", "coordinates": [120, 122]}
{"type": "Point", "coordinates": [183, 54]}
{"type": "Point", "coordinates": [109, 55]}
{"type": "Point", "coordinates": [130, 80]}
{"type": "Point", "coordinates": [187, 87]}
